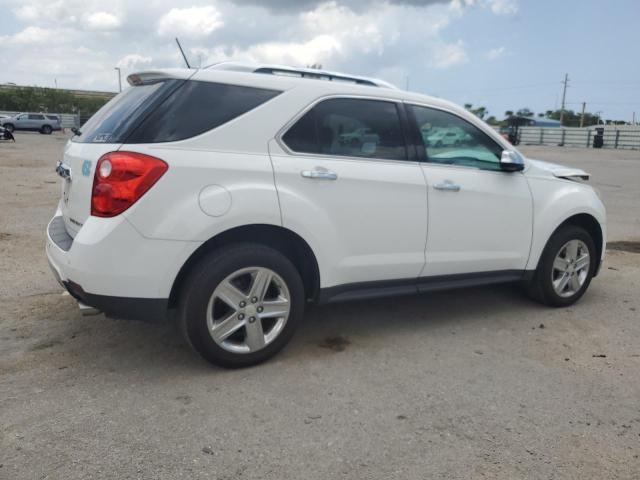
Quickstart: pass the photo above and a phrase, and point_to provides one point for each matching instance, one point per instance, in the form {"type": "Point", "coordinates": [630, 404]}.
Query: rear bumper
{"type": "Point", "coordinates": [153, 310]}
{"type": "Point", "coordinates": [111, 267]}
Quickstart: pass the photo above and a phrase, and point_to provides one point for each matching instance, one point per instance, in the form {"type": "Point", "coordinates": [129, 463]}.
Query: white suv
{"type": "Point", "coordinates": [229, 196]}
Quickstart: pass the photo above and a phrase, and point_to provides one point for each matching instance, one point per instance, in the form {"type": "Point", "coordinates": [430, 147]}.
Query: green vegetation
{"type": "Point", "coordinates": [37, 99]}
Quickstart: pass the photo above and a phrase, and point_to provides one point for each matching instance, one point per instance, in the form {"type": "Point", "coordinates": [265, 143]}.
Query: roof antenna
{"type": "Point", "coordinates": [182, 52]}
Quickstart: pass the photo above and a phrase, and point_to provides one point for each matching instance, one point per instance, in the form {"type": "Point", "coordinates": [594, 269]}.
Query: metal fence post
{"type": "Point", "coordinates": [541, 136]}
{"type": "Point", "coordinates": [588, 137]}
{"type": "Point", "coordinates": [617, 138]}
{"type": "Point", "coordinates": [564, 131]}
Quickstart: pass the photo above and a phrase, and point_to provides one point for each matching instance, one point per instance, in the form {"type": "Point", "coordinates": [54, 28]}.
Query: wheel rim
{"type": "Point", "coordinates": [570, 268]}
{"type": "Point", "coordinates": [248, 310]}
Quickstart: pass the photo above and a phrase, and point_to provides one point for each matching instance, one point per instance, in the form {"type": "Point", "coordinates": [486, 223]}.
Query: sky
{"type": "Point", "coordinates": [501, 54]}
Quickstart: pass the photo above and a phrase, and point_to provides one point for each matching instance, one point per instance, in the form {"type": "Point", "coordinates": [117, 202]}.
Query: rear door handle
{"type": "Point", "coordinates": [319, 174]}
{"type": "Point", "coordinates": [447, 185]}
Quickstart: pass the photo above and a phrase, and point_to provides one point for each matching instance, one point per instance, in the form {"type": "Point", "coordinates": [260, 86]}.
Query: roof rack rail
{"type": "Point", "coordinates": [312, 73]}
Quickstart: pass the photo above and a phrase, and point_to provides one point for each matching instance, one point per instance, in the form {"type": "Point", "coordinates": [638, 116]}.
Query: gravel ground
{"type": "Point", "coordinates": [494, 386]}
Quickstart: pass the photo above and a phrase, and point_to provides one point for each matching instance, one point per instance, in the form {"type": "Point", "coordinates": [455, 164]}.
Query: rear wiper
{"type": "Point", "coordinates": [76, 131]}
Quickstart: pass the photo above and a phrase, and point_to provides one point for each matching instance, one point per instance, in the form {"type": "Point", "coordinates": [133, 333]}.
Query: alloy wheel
{"type": "Point", "coordinates": [570, 268]}
{"type": "Point", "coordinates": [248, 310]}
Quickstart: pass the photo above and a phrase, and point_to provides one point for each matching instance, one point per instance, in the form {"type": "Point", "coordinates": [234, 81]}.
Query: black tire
{"type": "Point", "coordinates": [541, 286]}
{"type": "Point", "coordinates": [46, 129]}
{"type": "Point", "coordinates": [9, 127]}
{"type": "Point", "coordinates": [201, 283]}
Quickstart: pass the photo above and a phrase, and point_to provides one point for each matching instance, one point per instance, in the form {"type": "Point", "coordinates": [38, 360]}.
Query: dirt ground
{"type": "Point", "coordinates": [477, 383]}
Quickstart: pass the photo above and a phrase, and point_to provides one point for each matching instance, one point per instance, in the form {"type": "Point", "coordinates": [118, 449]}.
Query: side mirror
{"type": "Point", "coordinates": [511, 161]}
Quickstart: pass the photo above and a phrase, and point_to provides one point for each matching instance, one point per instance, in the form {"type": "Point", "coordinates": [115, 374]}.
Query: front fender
{"type": "Point", "coordinates": [554, 202]}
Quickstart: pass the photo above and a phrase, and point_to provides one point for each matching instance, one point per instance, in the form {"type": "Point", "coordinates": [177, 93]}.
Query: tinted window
{"type": "Point", "coordinates": [34, 116]}
{"type": "Point", "coordinates": [115, 119]}
{"type": "Point", "coordinates": [349, 127]}
{"type": "Point", "coordinates": [449, 139]}
{"type": "Point", "coordinates": [197, 107]}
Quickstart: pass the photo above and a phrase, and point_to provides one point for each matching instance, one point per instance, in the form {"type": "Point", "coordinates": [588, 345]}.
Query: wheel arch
{"type": "Point", "coordinates": [287, 242]}
{"type": "Point", "coordinates": [592, 226]}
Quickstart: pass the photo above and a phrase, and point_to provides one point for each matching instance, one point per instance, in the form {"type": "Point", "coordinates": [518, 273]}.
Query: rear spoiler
{"type": "Point", "coordinates": [142, 78]}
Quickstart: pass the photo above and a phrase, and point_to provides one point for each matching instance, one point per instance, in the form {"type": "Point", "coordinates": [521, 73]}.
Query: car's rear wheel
{"type": "Point", "coordinates": [46, 129]}
{"type": "Point", "coordinates": [9, 127]}
{"type": "Point", "coordinates": [565, 268]}
{"type": "Point", "coordinates": [241, 305]}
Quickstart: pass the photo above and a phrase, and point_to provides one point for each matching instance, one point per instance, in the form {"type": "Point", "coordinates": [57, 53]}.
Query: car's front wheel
{"type": "Point", "coordinates": [565, 268]}
{"type": "Point", "coordinates": [241, 304]}
{"type": "Point", "coordinates": [46, 130]}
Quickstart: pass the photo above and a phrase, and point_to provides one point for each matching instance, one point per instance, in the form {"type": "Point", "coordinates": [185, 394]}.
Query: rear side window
{"type": "Point", "coordinates": [197, 107]}
{"type": "Point", "coordinates": [35, 116]}
{"type": "Point", "coordinates": [349, 127]}
{"type": "Point", "coordinates": [114, 121]}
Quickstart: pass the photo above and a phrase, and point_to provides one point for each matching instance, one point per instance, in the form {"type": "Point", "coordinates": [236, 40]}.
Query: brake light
{"type": "Point", "coordinates": [120, 180]}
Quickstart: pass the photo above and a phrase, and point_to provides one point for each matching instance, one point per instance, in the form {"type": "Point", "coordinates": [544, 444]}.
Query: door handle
{"type": "Point", "coordinates": [319, 174]}
{"type": "Point", "coordinates": [447, 185]}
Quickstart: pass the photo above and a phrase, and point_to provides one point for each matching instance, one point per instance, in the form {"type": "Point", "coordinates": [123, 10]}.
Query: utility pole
{"type": "Point", "coordinates": [584, 104]}
{"type": "Point", "coordinates": [633, 122]}
{"type": "Point", "coordinates": [564, 94]}
{"type": "Point", "coordinates": [119, 79]}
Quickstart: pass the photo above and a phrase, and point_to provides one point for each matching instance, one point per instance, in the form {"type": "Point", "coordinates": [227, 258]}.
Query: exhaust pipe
{"type": "Point", "coordinates": [86, 310]}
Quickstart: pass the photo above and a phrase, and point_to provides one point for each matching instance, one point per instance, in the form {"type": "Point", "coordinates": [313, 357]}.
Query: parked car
{"type": "Point", "coordinates": [222, 197]}
{"type": "Point", "coordinates": [38, 122]}
{"type": "Point", "coordinates": [444, 137]}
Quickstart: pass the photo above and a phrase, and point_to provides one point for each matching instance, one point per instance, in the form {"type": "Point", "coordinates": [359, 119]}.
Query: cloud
{"type": "Point", "coordinates": [36, 36]}
{"type": "Point", "coordinates": [102, 21]}
{"type": "Point", "coordinates": [495, 53]}
{"type": "Point", "coordinates": [392, 39]}
{"type": "Point", "coordinates": [133, 60]}
{"type": "Point", "coordinates": [503, 7]}
{"type": "Point", "coordinates": [289, 6]}
{"type": "Point", "coordinates": [450, 55]}
{"type": "Point", "coordinates": [190, 22]}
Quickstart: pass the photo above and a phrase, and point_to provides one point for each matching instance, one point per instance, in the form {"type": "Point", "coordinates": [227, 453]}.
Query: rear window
{"type": "Point", "coordinates": [170, 110]}
{"type": "Point", "coordinates": [196, 108]}
{"type": "Point", "coordinates": [115, 120]}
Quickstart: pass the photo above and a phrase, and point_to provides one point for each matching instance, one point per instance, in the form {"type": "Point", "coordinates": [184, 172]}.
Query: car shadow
{"type": "Point", "coordinates": [113, 346]}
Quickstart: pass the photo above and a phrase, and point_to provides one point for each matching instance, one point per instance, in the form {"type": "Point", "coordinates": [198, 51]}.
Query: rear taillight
{"type": "Point", "coordinates": [120, 180]}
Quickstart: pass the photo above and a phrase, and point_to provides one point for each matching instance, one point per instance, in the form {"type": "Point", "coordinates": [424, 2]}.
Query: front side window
{"type": "Point", "coordinates": [35, 116]}
{"type": "Point", "coordinates": [452, 140]}
{"type": "Point", "coordinates": [349, 127]}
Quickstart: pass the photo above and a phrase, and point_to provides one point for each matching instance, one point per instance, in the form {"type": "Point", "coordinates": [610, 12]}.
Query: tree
{"type": "Point", "coordinates": [524, 112]}
{"type": "Point", "coordinates": [37, 99]}
{"type": "Point", "coordinates": [508, 113]}
{"type": "Point", "coordinates": [479, 112]}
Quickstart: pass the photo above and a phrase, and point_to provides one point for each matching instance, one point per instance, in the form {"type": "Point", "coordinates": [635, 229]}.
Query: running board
{"type": "Point", "coordinates": [412, 286]}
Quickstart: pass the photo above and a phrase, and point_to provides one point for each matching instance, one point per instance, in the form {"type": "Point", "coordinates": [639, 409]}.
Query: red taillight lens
{"type": "Point", "coordinates": [120, 180]}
